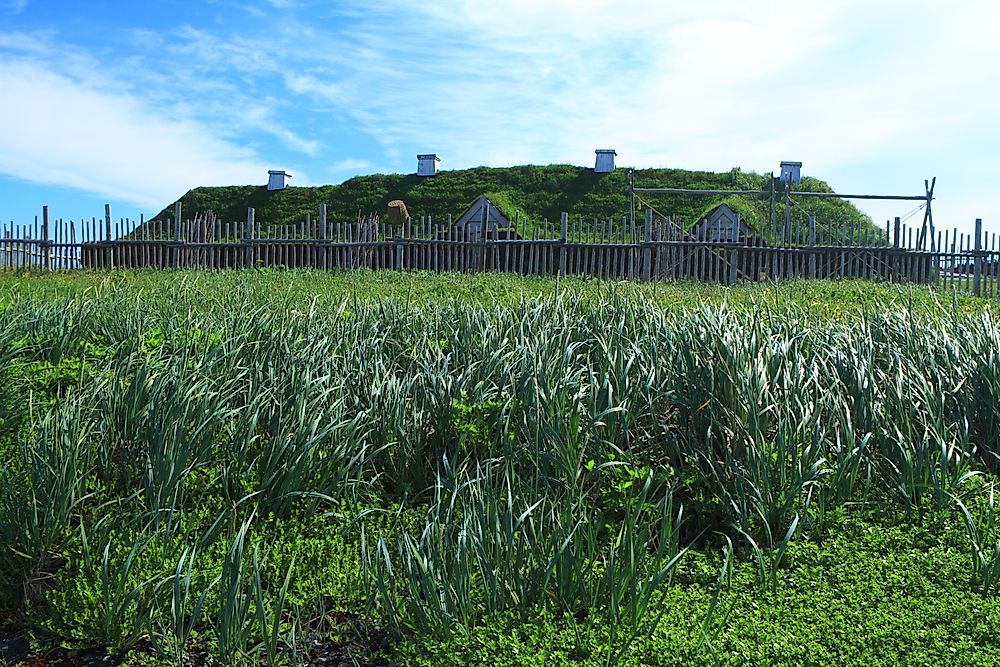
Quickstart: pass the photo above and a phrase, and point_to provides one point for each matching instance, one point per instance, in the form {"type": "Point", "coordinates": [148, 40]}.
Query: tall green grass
{"type": "Point", "coordinates": [558, 453]}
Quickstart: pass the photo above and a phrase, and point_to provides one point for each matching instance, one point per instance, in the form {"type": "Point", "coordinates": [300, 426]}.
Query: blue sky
{"type": "Point", "coordinates": [133, 103]}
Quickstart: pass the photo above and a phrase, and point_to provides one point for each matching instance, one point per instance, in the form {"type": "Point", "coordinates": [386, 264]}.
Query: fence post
{"type": "Point", "coordinates": [563, 232]}
{"type": "Point", "coordinates": [46, 245]}
{"type": "Point", "coordinates": [812, 246]}
{"type": "Point", "coordinates": [977, 269]}
{"type": "Point", "coordinates": [484, 238]}
{"type": "Point", "coordinates": [177, 221]}
{"type": "Point", "coordinates": [895, 264]}
{"type": "Point", "coordinates": [399, 248]}
{"type": "Point", "coordinates": [177, 234]}
{"type": "Point", "coordinates": [109, 255]}
{"type": "Point", "coordinates": [324, 253]}
{"type": "Point", "coordinates": [249, 260]}
{"type": "Point", "coordinates": [647, 251]}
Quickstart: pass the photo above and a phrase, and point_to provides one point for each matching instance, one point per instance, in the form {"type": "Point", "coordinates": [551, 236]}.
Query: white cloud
{"type": "Point", "coordinates": [871, 96]}
{"type": "Point", "coordinates": [304, 84]}
{"type": "Point", "coordinates": [14, 6]}
{"type": "Point", "coordinates": [709, 85]}
{"type": "Point", "coordinates": [37, 42]}
{"type": "Point", "coordinates": [528, 81]}
{"type": "Point", "coordinates": [350, 165]}
{"type": "Point", "coordinates": [107, 143]}
{"type": "Point", "coordinates": [264, 119]}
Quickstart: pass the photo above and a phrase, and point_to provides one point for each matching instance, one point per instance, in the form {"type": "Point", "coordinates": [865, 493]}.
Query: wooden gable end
{"type": "Point", "coordinates": [472, 219]}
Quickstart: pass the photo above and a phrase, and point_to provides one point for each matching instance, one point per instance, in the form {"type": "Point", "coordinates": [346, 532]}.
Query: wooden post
{"type": "Point", "coordinates": [788, 212]}
{"type": "Point", "coordinates": [109, 253]}
{"type": "Point", "coordinates": [631, 196]}
{"type": "Point", "coordinates": [324, 253]}
{"type": "Point", "coordinates": [773, 208]}
{"type": "Point", "coordinates": [647, 238]}
{"type": "Point", "coordinates": [399, 250]}
{"type": "Point", "coordinates": [177, 235]}
{"type": "Point", "coordinates": [46, 242]}
{"type": "Point", "coordinates": [812, 246]}
{"type": "Point", "coordinates": [144, 236]}
{"type": "Point", "coordinates": [895, 265]}
{"type": "Point", "coordinates": [483, 238]}
{"type": "Point", "coordinates": [928, 227]}
{"type": "Point", "coordinates": [977, 269]}
{"type": "Point", "coordinates": [177, 221]}
{"type": "Point", "coordinates": [250, 260]}
{"type": "Point", "coordinates": [563, 232]}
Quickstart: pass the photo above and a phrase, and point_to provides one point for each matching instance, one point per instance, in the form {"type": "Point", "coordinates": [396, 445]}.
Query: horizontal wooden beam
{"type": "Point", "coordinates": [840, 196]}
{"type": "Point", "coordinates": [767, 193]}
{"type": "Point", "coordinates": [683, 191]}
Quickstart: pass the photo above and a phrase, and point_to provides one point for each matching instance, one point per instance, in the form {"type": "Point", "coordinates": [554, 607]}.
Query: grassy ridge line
{"type": "Point", "coordinates": [528, 192]}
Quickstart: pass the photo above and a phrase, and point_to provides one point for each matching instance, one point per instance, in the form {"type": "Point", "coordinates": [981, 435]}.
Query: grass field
{"type": "Point", "coordinates": [279, 467]}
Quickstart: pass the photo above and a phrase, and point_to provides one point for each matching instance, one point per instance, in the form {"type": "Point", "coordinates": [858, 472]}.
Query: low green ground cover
{"type": "Point", "coordinates": [826, 299]}
{"type": "Point", "coordinates": [496, 470]}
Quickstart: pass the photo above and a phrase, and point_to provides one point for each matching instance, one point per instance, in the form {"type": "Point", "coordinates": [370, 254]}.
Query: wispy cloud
{"type": "Point", "coordinates": [13, 6]}
{"type": "Point", "coordinates": [709, 85]}
{"type": "Point", "coordinates": [350, 165]}
{"type": "Point", "coordinates": [542, 81]}
{"type": "Point", "coordinates": [37, 42]}
{"type": "Point", "coordinates": [265, 120]}
{"type": "Point", "coordinates": [73, 134]}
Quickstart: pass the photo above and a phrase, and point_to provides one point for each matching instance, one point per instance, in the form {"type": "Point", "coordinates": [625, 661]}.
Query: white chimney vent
{"type": "Point", "coordinates": [790, 172]}
{"type": "Point", "coordinates": [277, 180]}
{"type": "Point", "coordinates": [427, 164]}
{"type": "Point", "coordinates": [605, 162]}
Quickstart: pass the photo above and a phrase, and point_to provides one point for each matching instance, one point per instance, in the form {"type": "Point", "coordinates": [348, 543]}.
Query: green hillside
{"type": "Point", "coordinates": [528, 193]}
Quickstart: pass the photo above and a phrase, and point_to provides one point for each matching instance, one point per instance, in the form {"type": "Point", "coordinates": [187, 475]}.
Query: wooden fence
{"type": "Point", "coordinates": [652, 249]}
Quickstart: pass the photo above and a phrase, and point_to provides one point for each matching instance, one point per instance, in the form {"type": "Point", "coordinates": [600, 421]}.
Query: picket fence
{"type": "Point", "coordinates": [649, 249]}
